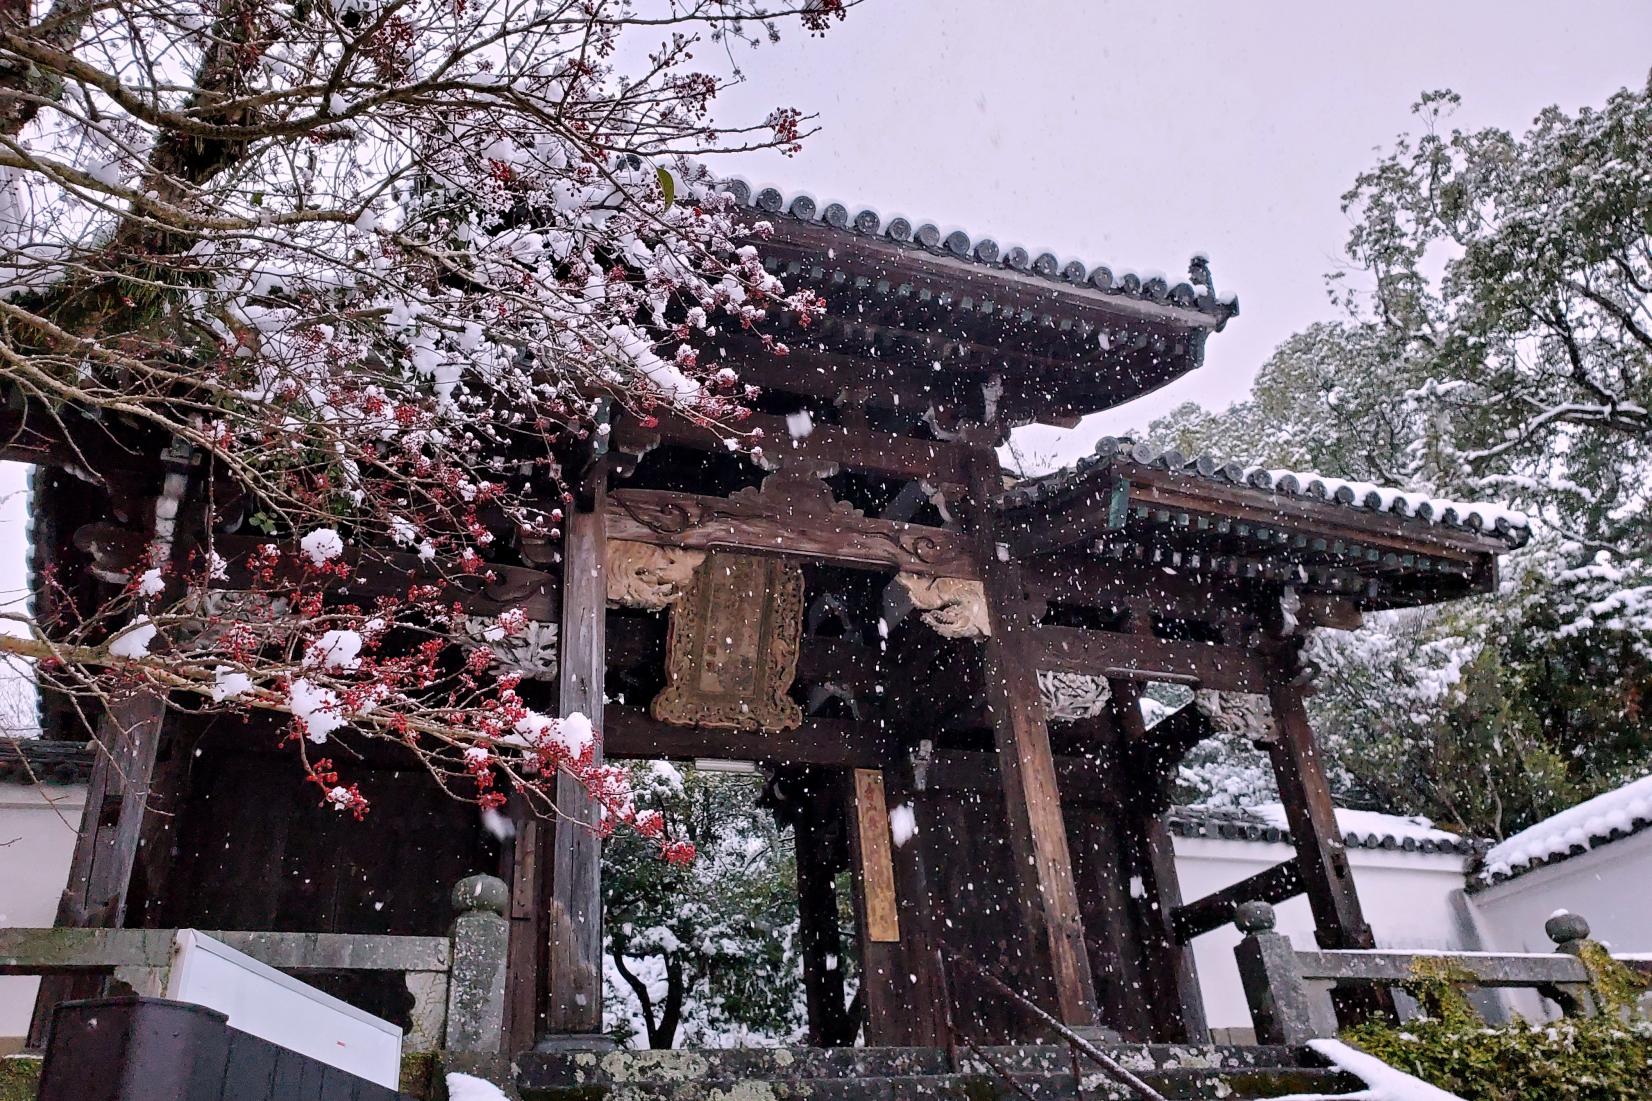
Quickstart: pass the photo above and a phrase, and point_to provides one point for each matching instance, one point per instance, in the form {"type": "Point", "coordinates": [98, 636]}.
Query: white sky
{"type": "Point", "coordinates": [1133, 135]}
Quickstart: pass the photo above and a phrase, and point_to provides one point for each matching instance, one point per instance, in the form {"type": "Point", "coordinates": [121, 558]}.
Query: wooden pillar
{"type": "Point", "coordinates": [1321, 856]}
{"type": "Point", "coordinates": [1179, 1007]}
{"type": "Point", "coordinates": [574, 1005]}
{"type": "Point", "coordinates": [529, 937]}
{"type": "Point", "coordinates": [1100, 841]}
{"type": "Point", "coordinates": [920, 985]}
{"type": "Point", "coordinates": [128, 739]}
{"type": "Point", "coordinates": [1038, 836]}
{"type": "Point", "coordinates": [877, 915]}
{"type": "Point", "coordinates": [820, 856]}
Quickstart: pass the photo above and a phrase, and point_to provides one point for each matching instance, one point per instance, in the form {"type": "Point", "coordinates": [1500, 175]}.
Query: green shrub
{"type": "Point", "coordinates": [1602, 1058]}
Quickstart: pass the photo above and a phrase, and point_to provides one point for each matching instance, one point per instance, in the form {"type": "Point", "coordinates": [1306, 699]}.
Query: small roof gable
{"type": "Point", "coordinates": [1377, 546]}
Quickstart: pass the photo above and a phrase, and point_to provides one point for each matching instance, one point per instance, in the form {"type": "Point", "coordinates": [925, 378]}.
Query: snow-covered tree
{"type": "Point", "coordinates": [703, 954]}
{"type": "Point", "coordinates": [1498, 345]}
{"type": "Point", "coordinates": [361, 276]}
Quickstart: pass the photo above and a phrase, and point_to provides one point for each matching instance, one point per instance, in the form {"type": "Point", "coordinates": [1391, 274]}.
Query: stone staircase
{"type": "Point", "coordinates": [1023, 1073]}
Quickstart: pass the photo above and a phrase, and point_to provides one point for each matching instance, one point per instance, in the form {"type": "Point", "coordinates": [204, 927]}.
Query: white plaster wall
{"type": "Point", "coordinates": [1610, 886]}
{"type": "Point", "coordinates": [1411, 899]}
{"type": "Point", "coordinates": [37, 838]}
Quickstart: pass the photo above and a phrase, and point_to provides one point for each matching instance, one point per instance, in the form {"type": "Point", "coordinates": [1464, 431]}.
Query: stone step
{"type": "Point", "coordinates": [563, 1070]}
{"type": "Point", "coordinates": [1058, 1059]}
{"type": "Point", "coordinates": [1181, 1084]}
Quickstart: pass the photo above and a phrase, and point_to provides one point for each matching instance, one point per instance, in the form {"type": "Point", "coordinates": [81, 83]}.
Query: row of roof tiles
{"type": "Point", "coordinates": [1512, 526]}
{"type": "Point", "coordinates": [1238, 825]}
{"type": "Point", "coordinates": [1197, 294]}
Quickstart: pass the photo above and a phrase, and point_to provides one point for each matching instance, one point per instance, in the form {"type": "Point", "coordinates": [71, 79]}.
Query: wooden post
{"type": "Point", "coordinates": [1100, 842]}
{"type": "Point", "coordinates": [128, 739]}
{"type": "Point", "coordinates": [876, 914]}
{"type": "Point", "coordinates": [1321, 855]}
{"type": "Point", "coordinates": [819, 860]}
{"type": "Point", "coordinates": [574, 1007]}
{"type": "Point", "coordinates": [1181, 1009]}
{"type": "Point", "coordinates": [1038, 835]}
{"type": "Point", "coordinates": [920, 985]}
{"type": "Point", "coordinates": [525, 967]}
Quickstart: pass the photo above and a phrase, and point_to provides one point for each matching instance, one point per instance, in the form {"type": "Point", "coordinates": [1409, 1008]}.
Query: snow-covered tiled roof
{"type": "Point", "coordinates": [1589, 825]}
{"type": "Point", "coordinates": [1361, 829]}
{"type": "Point", "coordinates": [1197, 294]}
{"type": "Point", "coordinates": [1492, 519]}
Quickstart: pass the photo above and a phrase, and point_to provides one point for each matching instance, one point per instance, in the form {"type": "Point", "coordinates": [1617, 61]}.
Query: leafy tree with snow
{"type": "Point", "coordinates": [703, 953]}
{"type": "Point", "coordinates": [1498, 344]}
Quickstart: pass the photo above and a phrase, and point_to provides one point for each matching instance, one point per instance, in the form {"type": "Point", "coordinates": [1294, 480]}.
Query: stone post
{"type": "Point", "coordinates": [1570, 932]}
{"type": "Point", "coordinates": [1279, 1005]}
{"type": "Point", "coordinates": [476, 983]}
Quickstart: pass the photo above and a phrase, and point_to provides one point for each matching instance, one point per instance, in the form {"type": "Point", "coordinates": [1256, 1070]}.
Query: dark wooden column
{"type": "Point", "coordinates": [574, 1006]}
{"type": "Point", "coordinates": [920, 985]}
{"type": "Point", "coordinates": [529, 942]}
{"type": "Point", "coordinates": [1038, 835]}
{"type": "Point", "coordinates": [117, 796]}
{"type": "Point", "coordinates": [1177, 1006]}
{"type": "Point", "coordinates": [1321, 856]}
{"type": "Point", "coordinates": [821, 854]}
{"type": "Point", "coordinates": [1101, 844]}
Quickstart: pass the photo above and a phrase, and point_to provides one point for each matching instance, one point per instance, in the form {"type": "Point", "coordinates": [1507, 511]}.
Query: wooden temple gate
{"type": "Point", "coordinates": [939, 667]}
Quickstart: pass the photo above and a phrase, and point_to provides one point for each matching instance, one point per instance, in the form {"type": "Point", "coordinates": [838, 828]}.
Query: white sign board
{"type": "Point", "coordinates": [270, 1005]}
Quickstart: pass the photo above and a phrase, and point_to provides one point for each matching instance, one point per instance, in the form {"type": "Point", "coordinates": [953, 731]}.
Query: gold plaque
{"type": "Point", "coordinates": [731, 652]}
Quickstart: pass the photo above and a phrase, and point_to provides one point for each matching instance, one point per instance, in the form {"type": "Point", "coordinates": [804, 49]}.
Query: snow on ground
{"type": "Point", "coordinates": [463, 1087]}
{"type": "Point", "coordinates": [1364, 823]}
{"type": "Point", "coordinates": [1383, 1082]}
{"type": "Point", "coordinates": [1585, 824]}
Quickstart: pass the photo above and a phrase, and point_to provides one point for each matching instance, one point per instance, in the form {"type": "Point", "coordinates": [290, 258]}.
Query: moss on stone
{"type": "Point", "coordinates": [417, 1068]}
{"type": "Point", "coordinates": [19, 1078]}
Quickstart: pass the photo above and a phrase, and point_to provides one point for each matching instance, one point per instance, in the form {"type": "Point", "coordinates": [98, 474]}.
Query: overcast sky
{"type": "Point", "coordinates": [1131, 135]}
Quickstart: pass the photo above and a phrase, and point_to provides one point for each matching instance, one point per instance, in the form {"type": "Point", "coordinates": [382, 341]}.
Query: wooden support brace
{"type": "Point", "coordinates": [1274, 885]}
{"type": "Point", "coordinates": [1321, 856]}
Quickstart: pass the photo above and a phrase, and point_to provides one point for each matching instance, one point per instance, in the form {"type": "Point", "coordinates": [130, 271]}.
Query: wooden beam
{"type": "Point", "coordinates": [1273, 885]}
{"type": "Point", "coordinates": [1038, 837]}
{"type": "Point", "coordinates": [630, 732]}
{"type": "Point", "coordinates": [760, 525]}
{"type": "Point", "coordinates": [850, 448]}
{"type": "Point", "coordinates": [575, 958]}
{"type": "Point", "coordinates": [1142, 657]}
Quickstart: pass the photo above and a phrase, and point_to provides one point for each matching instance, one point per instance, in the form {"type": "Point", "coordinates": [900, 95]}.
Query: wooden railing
{"type": "Point", "coordinates": [1288, 988]}
{"type": "Point", "coordinates": [457, 982]}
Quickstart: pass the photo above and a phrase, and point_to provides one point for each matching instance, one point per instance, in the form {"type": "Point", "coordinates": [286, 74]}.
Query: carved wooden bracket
{"type": "Point", "coordinates": [954, 607]}
{"type": "Point", "coordinates": [641, 575]}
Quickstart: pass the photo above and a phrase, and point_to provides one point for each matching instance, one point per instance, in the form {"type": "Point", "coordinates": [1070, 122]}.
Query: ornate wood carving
{"type": "Point", "coordinates": [954, 607]}
{"type": "Point", "coordinates": [532, 652]}
{"type": "Point", "coordinates": [1245, 713]}
{"type": "Point", "coordinates": [1071, 696]}
{"type": "Point", "coordinates": [642, 575]}
{"type": "Point", "coordinates": [731, 652]}
{"type": "Point", "coordinates": [793, 513]}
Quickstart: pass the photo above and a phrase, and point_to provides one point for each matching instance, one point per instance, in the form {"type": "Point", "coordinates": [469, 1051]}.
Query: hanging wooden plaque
{"type": "Point", "coordinates": [731, 651]}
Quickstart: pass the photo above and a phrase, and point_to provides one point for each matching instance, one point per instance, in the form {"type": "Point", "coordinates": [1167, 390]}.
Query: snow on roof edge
{"type": "Point", "coordinates": [1590, 824]}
